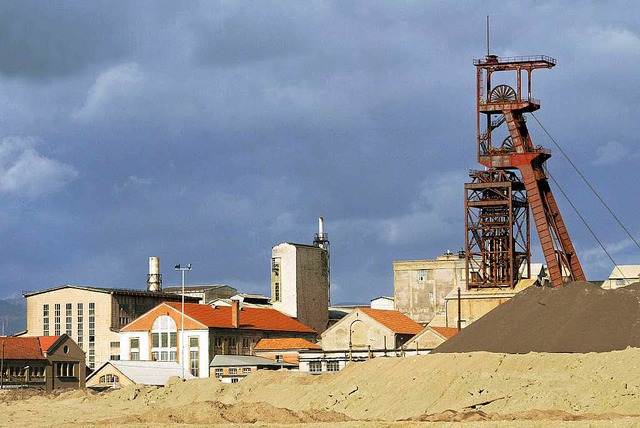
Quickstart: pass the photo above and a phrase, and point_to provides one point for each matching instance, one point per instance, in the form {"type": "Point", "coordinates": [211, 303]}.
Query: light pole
{"type": "Point", "coordinates": [182, 269]}
{"type": "Point", "coordinates": [350, 343]}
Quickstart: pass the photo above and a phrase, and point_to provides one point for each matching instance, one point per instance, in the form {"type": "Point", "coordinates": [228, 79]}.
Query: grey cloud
{"type": "Point", "coordinates": [54, 39]}
{"type": "Point", "coordinates": [25, 172]}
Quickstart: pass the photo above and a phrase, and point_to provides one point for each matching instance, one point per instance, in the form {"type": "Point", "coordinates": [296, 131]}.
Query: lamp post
{"type": "Point", "coordinates": [351, 343]}
{"type": "Point", "coordinates": [182, 269]}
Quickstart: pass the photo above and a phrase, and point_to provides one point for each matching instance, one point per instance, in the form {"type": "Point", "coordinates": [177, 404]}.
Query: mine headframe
{"type": "Point", "coordinates": [497, 242]}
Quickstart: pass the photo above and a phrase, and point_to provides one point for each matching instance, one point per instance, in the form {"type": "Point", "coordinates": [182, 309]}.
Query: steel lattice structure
{"type": "Point", "coordinates": [499, 104]}
{"type": "Point", "coordinates": [497, 224]}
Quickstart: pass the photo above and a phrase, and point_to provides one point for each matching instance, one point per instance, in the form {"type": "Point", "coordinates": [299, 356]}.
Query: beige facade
{"type": "Point", "coordinates": [474, 304]}
{"type": "Point", "coordinates": [420, 286]}
{"type": "Point", "coordinates": [300, 283]}
{"type": "Point", "coordinates": [366, 328]}
{"type": "Point", "coordinates": [91, 316]}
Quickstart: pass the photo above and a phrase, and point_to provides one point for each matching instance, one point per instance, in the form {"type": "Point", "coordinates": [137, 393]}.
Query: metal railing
{"type": "Point", "coordinates": [492, 59]}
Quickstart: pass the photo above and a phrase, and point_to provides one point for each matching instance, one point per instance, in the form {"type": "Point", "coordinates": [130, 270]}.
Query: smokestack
{"type": "Point", "coordinates": [235, 313]}
{"type": "Point", "coordinates": [321, 240]}
{"type": "Point", "coordinates": [154, 279]}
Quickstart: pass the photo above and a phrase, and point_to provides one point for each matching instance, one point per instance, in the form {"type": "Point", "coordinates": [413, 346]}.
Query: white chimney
{"type": "Point", "coordinates": [154, 279]}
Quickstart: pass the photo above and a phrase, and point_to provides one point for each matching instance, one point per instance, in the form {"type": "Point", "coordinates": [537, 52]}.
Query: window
{"type": "Point", "coordinates": [92, 354]}
{"type": "Point", "coordinates": [235, 380]}
{"type": "Point", "coordinates": [109, 379]}
{"type": "Point", "coordinates": [68, 319]}
{"type": "Point", "coordinates": [194, 356]}
{"type": "Point", "coordinates": [246, 370]}
{"type": "Point", "coordinates": [233, 348]}
{"type": "Point", "coordinates": [65, 369]}
{"type": "Point", "coordinates": [432, 298]}
{"type": "Point", "coordinates": [218, 372]}
{"type": "Point", "coordinates": [333, 366]}
{"type": "Point", "coordinates": [57, 320]}
{"type": "Point", "coordinates": [315, 367]}
{"type": "Point", "coordinates": [45, 320]}
{"type": "Point", "coordinates": [134, 346]}
{"type": "Point", "coordinates": [80, 325]}
{"type": "Point", "coordinates": [422, 275]}
{"type": "Point", "coordinates": [164, 338]}
{"type": "Point", "coordinates": [246, 345]}
{"type": "Point", "coordinates": [92, 324]}
{"type": "Point", "coordinates": [275, 280]}
{"type": "Point", "coordinates": [233, 371]}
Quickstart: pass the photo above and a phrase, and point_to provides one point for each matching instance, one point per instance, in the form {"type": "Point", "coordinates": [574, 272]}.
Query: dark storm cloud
{"type": "Point", "coordinates": [207, 132]}
{"type": "Point", "coordinates": [53, 39]}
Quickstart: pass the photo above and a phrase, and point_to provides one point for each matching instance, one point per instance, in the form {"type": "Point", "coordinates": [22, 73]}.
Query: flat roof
{"type": "Point", "coordinates": [113, 291]}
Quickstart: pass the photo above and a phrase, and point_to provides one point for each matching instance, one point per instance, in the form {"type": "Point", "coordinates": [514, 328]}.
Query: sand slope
{"type": "Point", "coordinates": [475, 386]}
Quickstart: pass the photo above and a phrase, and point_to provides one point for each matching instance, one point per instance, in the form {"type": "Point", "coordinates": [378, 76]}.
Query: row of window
{"type": "Point", "coordinates": [219, 372]}
{"type": "Point", "coordinates": [69, 321]}
{"type": "Point", "coordinates": [65, 369]}
{"type": "Point", "coordinates": [316, 366]}
{"type": "Point", "coordinates": [12, 371]}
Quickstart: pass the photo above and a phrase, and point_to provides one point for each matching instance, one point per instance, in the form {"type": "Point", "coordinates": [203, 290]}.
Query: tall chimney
{"type": "Point", "coordinates": [321, 239]}
{"type": "Point", "coordinates": [154, 278]}
{"type": "Point", "coordinates": [235, 313]}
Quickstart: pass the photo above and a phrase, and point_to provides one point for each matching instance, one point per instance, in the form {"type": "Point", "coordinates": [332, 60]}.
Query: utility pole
{"type": "Point", "coordinates": [182, 269]}
{"type": "Point", "coordinates": [2, 368]}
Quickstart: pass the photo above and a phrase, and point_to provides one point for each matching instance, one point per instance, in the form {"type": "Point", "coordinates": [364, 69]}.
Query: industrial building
{"type": "Point", "coordinates": [420, 286]}
{"type": "Point", "coordinates": [300, 280]}
{"type": "Point", "coordinates": [362, 334]}
{"type": "Point", "coordinates": [93, 316]}
{"type": "Point", "coordinates": [116, 374]}
{"type": "Point", "coordinates": [192, 338]}
{"type": "Point", "coordinates": [47, 362]}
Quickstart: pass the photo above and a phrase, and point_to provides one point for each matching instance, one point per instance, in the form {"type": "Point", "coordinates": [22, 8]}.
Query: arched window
{"type": "Point", "coordinates": [109, 379]}
{"type": "Point", "coordinates": [164, 335]}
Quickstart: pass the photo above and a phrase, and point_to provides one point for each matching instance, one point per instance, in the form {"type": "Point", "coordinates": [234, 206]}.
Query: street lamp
{"type": "Point", "coordinates": [351, 331]}
{"type": "Point", "coordinates": [182, 269]}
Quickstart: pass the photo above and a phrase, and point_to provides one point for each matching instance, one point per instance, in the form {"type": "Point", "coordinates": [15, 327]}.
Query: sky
{"type": "Point", "coordinates": [209, 132]}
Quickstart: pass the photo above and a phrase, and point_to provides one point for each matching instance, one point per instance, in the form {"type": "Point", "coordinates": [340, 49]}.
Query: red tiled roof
{"type": "Point", "coordinates": [21, 348]}
{"type": "Point", "coordinates": [282, 344]}
{"type": "Point", "coordinates": [394, 320]}
{"type": "Point", "coordinates": [220, 317]}
{"type": "Point", "coordinates": [47, 341]}
{"type": "Point", "coordinates": [447, 332]}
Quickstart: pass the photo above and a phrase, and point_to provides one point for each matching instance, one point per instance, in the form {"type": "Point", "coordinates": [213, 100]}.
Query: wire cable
{"type": "Point", "coordinates": [584, 222]}
{"type": "Point", "coordinates": [587, 182]}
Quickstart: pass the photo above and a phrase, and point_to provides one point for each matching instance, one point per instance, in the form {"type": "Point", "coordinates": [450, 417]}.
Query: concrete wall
{"type": "Point", "coordinates": [363, 331]}
{"type": "Point", "coordinates": [109, 370]}
{"type": "Point", "coordinates": [473, 305]}
{"type": "Point", "coordinates": [103, 310]}
{"type": "Point", "coordinates": [304, 284]}
{"type": "Point", "coordinates": [420, 286]}
{"type": "Point", "coordinates": [67, 352]}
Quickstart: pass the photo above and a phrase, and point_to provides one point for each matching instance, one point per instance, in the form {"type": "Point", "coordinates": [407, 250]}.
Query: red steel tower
{"type": "Point", "coordinates": [497, 231]}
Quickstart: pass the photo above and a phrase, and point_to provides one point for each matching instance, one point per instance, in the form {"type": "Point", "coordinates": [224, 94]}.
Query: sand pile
{"type": "Point", "coordinates": [478, 387]}
{"type": "Point", "coordinates": [579, 317]}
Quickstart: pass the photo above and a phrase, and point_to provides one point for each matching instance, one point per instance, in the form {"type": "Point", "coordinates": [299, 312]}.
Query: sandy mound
{"type": "Point", "coordinates": [474, 387]}
{"type": "Point", "coordinates": [579, 317]}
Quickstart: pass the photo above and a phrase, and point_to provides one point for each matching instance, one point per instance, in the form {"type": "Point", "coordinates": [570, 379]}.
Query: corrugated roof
{"type": "Point", "coordinates": [220, 317]}
{"type": "Point", "coordinates": [394, 320]}
{"type": "Point", "coordinates": [284, 344]}
{"type": "Point", "coordinates": [146, 372]}
{"type": "Point", "coordinates": [244, 360]}
{"type": "Point", "coordinates": [625, 272]}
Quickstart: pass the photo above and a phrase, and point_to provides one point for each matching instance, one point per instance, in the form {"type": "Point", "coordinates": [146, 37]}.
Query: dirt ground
{"type": "Point", "coordinates": [474, 389]}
